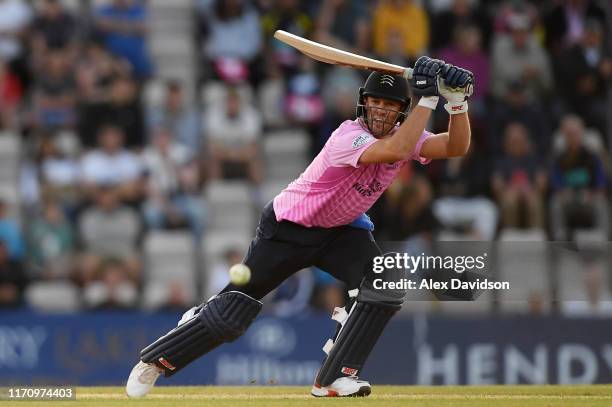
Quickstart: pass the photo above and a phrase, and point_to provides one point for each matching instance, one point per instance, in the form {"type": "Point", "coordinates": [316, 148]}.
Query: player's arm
{"type": "Point", "coordinates": [424, 83]}
{"type": "Point", "coordinates": [454, 143]}
{"type": "Point", "coordinates": [456, 87]}
{"type": "Point", "coordinates": [402, 143]}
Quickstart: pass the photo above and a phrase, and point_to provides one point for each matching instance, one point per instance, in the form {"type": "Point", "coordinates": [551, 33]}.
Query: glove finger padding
{"type": "Point", "coordinates": [447, 72]}
{"type": "Point", "coordinates": [452, 77]}
{"type": "Point", "coordinates": [433, 67]}
{"type": "Point", "coordinates": [455, 77]}
{"type": "Point", "coordinates": [420, 63]}
{"type": "Point", "coordinates": [461, 79]}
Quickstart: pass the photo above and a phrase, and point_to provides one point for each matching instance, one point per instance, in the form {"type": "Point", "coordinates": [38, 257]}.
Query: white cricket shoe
{"type": "Point", "coordinates": [142, 379]}
{"type": "Point", "coordinates": [343, 387]}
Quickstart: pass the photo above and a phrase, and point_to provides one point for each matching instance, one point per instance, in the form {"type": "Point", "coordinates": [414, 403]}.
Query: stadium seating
{"type": "Point", "coordinates": [230, 205]}
{"type": "Point", "coordinates": [522, 260]}
{"type": "Point", "coordinates": [285, 154]}
{"type": "Point", "coordinates": [169, 256]}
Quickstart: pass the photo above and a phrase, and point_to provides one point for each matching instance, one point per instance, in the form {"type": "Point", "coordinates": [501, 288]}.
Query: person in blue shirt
{"type": "Point", "coordinates": [123, 25]}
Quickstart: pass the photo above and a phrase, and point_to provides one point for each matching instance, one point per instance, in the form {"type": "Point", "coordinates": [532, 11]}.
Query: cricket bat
{"type": "Point", "coordinates": [334, 56]}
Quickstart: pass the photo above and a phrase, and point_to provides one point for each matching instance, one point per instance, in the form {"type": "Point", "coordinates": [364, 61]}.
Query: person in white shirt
{"type": "Point", "coordinates": [111, 164]}
{"type": "Point", "coordinates": [234, 129]}
{"type": "Point", "coordinates": [173, 185]}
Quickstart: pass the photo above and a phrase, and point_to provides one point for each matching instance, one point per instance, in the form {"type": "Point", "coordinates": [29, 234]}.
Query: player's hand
{"type": "Point", "coordinates": [455, 94]}
{"type": "Point", "coordinates": [456, 77]}
{"type": "Point", "coordinates": [456, 85]}
{"type": "Point", "coordinates": [425, 73]}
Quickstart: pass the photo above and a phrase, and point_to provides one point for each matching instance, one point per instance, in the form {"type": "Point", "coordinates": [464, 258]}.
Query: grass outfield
{"type": "Point", "coordinates": [413, 396]}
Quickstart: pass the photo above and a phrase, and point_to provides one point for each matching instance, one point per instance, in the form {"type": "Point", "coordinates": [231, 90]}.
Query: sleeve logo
{"type": "Point", "coordinates": [361, 140]}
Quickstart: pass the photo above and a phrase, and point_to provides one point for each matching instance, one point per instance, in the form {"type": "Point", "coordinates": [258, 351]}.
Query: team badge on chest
{"type": "Point", "coordinates": [361, 140]}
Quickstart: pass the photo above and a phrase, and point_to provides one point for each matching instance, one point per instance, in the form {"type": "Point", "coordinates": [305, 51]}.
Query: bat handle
{"type": "Point", "coordinates": [407, 73]}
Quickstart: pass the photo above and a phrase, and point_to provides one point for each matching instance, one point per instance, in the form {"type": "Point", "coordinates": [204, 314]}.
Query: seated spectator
{"type": "Point", "coordinates": [505, 13]}
{"type": "Point", "coordinates": [121, 108]}
{"type": "Point", "coordinates": [578, 184]}
{"type": "Point", "coordinates": [518, 58]}
{"type": "Point", "coordinates": [232, 40]}
{"type": "Point", "coordinates": [178, 116]}
{"type": "Point", "coordinates": [463, 205]}
{"type": "Point", "coordinates": [517, 108]}
{"type": "Point", "coordinates": [111, 165]}
{"type": "Point", "coordinates": [51, 243]}
{"type": "Point", "coordinates": [344, 24]}
{"type": "Point", "coordinates": [466, 51]}
{"type": "Point", "coordinates": [303, 102]}
{"type": "Point", "coordinates": [15, 16]}
{"type": "Point", "coordinates": [53, 28]}
{"type": "Point", "coordinates": [10, 233]}
{"type": "Point", "coordinates": [13, 280]}
{"type": "Point", "coordinates": [111, 288]}
{"type": "Point", "coordinates": [518, 181]}
{"type": "Point", "coordinates": [174, 196]}
{"type": "Point", "coordinates": [59, 174]}
{"type": "Point", "coordinates": [285, 15]}
{"type": "Point", "coordinates": [395, 53]}
{"type": "Point", "coordinates": [233, 131]}
{"type": "Point", "coordinates": [460, 13]}
{"type": "Point", "coordinates": [584, 71]}
{"type": "Point", "coordinates": [404, 18]}
{"type": "Point", "coordinates": [29, 188]}
{"type": "Point", "coordinates": [564, 24]}
{"type": "Point", "coordinates": [123, 23]}
{"type": "Point", "coordinates": [109, 230]}
{"type": "Point", "coordinates": [413, 212]}
{"type": "Point", "coordinates": [11, 92]}
{"type": "Point", "coordinates": [96, 71]}
{"type": "Point", "coordinates": [270, 97]}
{"type": "Point", "coordinates": [55, 92]}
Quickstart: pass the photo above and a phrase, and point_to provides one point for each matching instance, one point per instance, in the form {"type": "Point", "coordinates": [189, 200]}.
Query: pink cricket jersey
{"type": "Point", "coordinates": [335, 189]}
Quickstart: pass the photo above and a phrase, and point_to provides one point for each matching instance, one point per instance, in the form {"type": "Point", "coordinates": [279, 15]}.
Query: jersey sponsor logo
{"type": "Point", "coordinates": [367, 190]}
{"type": "Point", "coordinates": [361, 140]}
{"type": "Point", "coordinates": [349, 371]}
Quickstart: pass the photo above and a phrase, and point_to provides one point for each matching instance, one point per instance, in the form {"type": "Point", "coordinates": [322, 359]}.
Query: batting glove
{"type": "Point", "coordinates": [425, 76]}
{"type": "Point", "coordinates": [456, 85]}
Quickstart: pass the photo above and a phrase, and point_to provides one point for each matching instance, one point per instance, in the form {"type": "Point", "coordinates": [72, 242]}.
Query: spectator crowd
{"type": "Point", "coordinates": [101, 166]}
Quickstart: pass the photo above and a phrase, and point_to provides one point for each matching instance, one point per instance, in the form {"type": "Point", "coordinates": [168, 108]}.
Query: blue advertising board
{"type": "Point", "coordinates": [101, 348]}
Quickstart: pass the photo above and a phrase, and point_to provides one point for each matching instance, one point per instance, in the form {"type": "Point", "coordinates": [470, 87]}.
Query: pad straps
{"type": "Point", "coordinates": [359, 333]}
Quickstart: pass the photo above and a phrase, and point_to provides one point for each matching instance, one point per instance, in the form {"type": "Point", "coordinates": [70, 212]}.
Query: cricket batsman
{"type": "Point", "coordinates": [319, 220]}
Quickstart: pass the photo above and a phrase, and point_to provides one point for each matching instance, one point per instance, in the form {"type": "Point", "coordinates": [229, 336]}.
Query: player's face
{"type": "Point", "coordinates": [382, 114]}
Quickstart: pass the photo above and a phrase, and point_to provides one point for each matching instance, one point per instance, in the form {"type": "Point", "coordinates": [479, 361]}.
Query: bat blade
{"type": "Point", "coordinates": [335, 56]}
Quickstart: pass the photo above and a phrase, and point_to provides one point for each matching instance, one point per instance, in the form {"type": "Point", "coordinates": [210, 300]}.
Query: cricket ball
{"type": "Point", "coordinates": [240, 274]}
